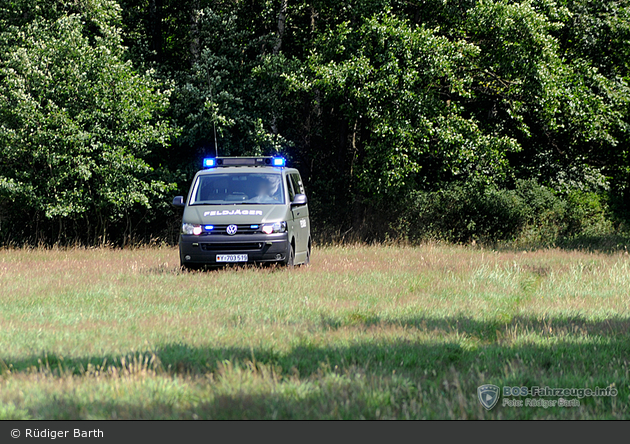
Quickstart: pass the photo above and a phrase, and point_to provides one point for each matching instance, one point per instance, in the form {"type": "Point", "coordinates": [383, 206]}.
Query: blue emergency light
{"type": "Point", "coordinates": [209, 227]}
{"type": "Point", "coordinates": [263, 161]}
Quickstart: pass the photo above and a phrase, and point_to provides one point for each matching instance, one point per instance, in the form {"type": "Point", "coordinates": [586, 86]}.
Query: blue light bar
{"type": "Point", "coordinates": [209, 227]}
{"type": "Point", "coordinates": [278, 161]}
{"type": "Point", "coordinates": [253, 227]}
{"type": "Point", "coordinates": [209, 162]}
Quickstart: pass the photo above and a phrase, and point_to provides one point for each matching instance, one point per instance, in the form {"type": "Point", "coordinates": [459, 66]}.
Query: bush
{"type": "Point", "coordinates": [462, 213]}
{"type": "Point", "coordinates": [529, 213]}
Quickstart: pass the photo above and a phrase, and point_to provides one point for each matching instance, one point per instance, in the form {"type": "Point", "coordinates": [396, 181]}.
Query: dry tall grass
{"type": "Point", "coordinates": [364, 332]}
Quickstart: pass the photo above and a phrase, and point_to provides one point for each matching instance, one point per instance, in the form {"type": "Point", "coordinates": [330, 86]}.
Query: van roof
{"type": "Point", "coordinates": [245, 169]}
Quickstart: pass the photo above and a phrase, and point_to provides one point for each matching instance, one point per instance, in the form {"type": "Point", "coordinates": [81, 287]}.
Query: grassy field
{"type": "Point", "coordinates": [364, 332]}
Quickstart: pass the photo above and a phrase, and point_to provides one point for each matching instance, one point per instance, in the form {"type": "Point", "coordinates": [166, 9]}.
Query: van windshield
{"type": "Point", "coordinates": [238, 188]}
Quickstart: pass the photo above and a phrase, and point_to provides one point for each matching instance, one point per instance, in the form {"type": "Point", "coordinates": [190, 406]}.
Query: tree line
{"type": "Point", "coordinates": [408, 119]}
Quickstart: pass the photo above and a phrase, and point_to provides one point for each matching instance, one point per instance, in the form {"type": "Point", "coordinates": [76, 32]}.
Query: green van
{"type": "Point", "coordinates": [245, 210]}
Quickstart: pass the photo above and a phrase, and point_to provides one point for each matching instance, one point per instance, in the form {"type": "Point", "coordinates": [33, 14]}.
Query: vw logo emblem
{"type": "Point", "coordinates": [231, 230]}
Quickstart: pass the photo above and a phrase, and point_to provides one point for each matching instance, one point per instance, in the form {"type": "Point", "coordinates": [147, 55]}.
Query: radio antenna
{"type": "Point", "coordinates": [214, 119]}
{"type": "Point", "coordinates": [214, 126]}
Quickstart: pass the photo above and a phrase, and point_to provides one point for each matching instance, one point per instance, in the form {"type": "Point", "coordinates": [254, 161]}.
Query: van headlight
{"type": "Point", "coordinates": [277, 227]}
{"type": "Point", "coordinates": [191, 229]}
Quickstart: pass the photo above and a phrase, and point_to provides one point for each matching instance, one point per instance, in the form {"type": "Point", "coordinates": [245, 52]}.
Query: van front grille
{"type": "Point", "coordinates": [231, 246]}
{"type": "Point", "coordinates": [242, 229]}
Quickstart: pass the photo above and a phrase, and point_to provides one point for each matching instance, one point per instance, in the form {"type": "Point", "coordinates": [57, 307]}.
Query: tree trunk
{"type": "Point", "coordinates": [194, 32]}
{"type": "Point", "coordinates": [282, 16]}
{"type": "Point", "coordinates": [155, 20]}
{"type": "Point", "coordinates": [314, 16]}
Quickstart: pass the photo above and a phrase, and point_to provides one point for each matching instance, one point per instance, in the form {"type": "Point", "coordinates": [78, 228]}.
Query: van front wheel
{"type": "Point", "coordinates": [291, 258]}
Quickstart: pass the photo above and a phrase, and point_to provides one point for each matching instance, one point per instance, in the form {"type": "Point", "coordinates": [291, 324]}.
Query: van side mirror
{"type": "Point", "coordinates": [299, 199]}
{"type": "Point", "coordinates": [179, 202]}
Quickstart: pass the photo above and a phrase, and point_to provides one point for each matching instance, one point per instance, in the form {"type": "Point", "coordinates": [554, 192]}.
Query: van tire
{"type": "Point", "coordinates": [291, 258]}
{"type": "Point", "coordinates": [307, 261]}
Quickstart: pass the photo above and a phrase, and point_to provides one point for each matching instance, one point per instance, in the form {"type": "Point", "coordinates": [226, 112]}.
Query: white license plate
{"type": "Point", "coordinates": [231, 258]}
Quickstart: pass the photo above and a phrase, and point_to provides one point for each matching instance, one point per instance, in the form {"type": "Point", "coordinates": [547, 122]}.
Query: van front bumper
{"type": "Point", "coordinates": [203, 250]}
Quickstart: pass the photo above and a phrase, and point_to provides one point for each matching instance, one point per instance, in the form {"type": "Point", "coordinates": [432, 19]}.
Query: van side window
{"type": "Point", "coordinates": [297, 184]}
{"type": "Point", "coordinates": [290, 190]}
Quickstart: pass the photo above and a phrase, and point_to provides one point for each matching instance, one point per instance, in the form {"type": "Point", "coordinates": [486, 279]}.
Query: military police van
{"type": "Point", "coordinates": [244, 210]}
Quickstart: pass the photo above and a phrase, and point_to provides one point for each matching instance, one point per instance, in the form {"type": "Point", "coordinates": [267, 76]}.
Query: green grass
{"type": "Point", "coordinates": [364, 332]}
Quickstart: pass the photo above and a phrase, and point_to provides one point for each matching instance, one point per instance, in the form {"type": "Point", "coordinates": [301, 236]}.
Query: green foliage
{"type": "Point", "coordinates": [76, 121]}
{"type": "Point", "coordinates": [529, 213]}
{"type": "Point", "coordinates": [376, 102]}
{"type": "Point", "coordinates": [462, 213]}
{"type": "Point", "coordinates": [229, 87]}
{"type": "Point", "coordinates": [390, 77]}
